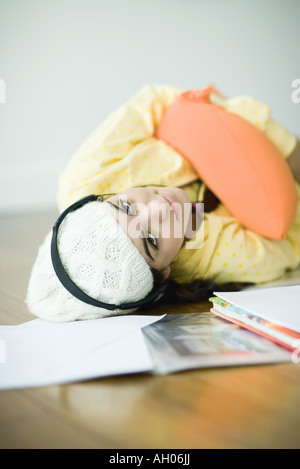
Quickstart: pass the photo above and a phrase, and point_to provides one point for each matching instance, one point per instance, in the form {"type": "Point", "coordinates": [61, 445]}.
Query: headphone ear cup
{"type": "Point", "coordinates": [151, 298]}
{"type": "Point", "coordinates": [68, 283]}
{"type": "Point", "coordinates": [161, 294]}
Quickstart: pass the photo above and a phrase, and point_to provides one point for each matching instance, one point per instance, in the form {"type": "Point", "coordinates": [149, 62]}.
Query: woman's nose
{"type": "Point", "coordinates": [157, 211]}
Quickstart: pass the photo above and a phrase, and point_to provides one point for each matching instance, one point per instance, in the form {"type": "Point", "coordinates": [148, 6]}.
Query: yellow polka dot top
{"type": "Point", "coordinates": [123, 152]}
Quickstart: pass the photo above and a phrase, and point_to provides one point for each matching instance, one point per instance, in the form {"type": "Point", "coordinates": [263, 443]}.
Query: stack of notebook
{"type": "Point", "coordinates": [271, 312]}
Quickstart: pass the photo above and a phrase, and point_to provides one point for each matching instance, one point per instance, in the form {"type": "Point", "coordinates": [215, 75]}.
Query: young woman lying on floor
{"type": "Point", "coordinates": [153, 161]}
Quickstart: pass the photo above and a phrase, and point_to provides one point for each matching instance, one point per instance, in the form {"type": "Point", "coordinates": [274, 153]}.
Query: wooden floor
{"type": "Point", "coordinates": [239, 407]}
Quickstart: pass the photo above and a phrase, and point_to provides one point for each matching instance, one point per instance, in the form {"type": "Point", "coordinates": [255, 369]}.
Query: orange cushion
{"type": "Point", "coordinates": [235, 160]}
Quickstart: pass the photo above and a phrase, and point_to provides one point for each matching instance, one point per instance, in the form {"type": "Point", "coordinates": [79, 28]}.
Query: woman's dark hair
{"type": "Point", "coordinates": [193, 292]}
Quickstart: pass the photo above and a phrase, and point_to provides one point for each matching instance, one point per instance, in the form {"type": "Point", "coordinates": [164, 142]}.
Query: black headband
{"type": "Point", "coordinates": [66, 281]}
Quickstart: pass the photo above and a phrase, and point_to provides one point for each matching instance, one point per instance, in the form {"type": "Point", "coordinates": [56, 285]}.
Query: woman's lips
{"type": "Point", "coordinates": [172, 202]}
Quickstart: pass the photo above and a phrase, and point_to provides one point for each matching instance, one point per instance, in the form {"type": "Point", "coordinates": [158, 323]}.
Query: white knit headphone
{"type": "Point", "coordinates": [94, 269]}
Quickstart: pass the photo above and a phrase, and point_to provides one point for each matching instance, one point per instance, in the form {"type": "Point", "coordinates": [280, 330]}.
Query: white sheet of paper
{"type": "Point", "coordinates": [40, 353]}
{"type": "Point", "coordinates": [128, 354]}
{"type": "Point", "coordinates": [280, 305]}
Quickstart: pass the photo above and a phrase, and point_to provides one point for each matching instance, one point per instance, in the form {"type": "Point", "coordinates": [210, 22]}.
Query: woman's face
{"type": "Point", "coordinates": [155, 219]}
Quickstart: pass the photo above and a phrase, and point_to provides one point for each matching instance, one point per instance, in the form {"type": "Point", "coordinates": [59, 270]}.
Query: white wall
{"type": "Point", "coordinates": [66, 64]}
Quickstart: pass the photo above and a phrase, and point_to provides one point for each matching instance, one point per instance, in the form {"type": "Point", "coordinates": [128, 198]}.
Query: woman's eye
{"type": "Point", "coordinates": [125, 206]}
{"type": "Point", "coordinates": [152, 240]}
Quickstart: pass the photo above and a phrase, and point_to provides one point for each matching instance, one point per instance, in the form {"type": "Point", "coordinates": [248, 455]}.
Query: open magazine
{"type": "Point", "coordinates": [189, 341]}
{"type": "Point", "coordinates": [42, 353]}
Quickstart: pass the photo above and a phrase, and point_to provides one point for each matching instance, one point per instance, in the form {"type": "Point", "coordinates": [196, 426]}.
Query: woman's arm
{"type": "Point", "coordinates": [294, 162]}
{"type": "Point", "coordinates": [110, 158]}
